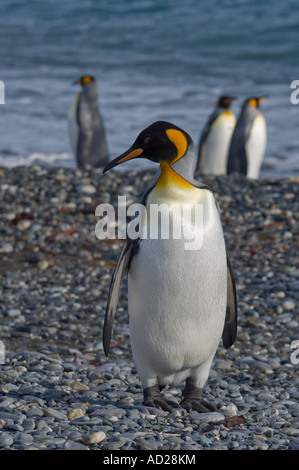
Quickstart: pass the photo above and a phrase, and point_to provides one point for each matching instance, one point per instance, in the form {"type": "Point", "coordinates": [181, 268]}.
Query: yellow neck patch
{"type": "Point", "coordinates": [169, 177]}
{"type": "Point", "coordinates": [228, 112]}
{"type": "Point", "coordinates": [179, 140]}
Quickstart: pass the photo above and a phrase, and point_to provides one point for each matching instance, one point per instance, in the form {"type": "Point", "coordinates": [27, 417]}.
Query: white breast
{"type": "Point", "coordinates": [177, 299]}
{"type": "Point", "coordinates": [255, 146]}
{"type": "Point", "coordinates": [217, 145]}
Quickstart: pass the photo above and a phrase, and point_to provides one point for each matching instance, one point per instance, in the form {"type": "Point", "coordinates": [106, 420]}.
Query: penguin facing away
{"type": "Point", "coordinates": [86, 128]}
{"type": "Point", "coordinates": [249, 139]}
{"type": "Point", "coordinates": [215, 139]}
{"type": "Point", "coordinates": [181, 302]}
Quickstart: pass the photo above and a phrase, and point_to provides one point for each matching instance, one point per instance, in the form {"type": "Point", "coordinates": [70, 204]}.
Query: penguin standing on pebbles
{"type": "Point", "coordinates": [249, 139]}
{"type": "Point", "coordinates": [215, 139]}
{"type": "Point", "coordinates": [181, 300]}
{"type": "Point", "coordinates": [86, 128]}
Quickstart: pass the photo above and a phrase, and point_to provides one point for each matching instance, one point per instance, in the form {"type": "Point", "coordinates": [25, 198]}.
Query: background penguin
{"type": "Point", "coordinates": [86, 129]}
{"type": "Point", "coordinates": [215, 139]}
{"type": "Point", "coordinates": [249, 139]}
{"type": "Point", "coordinates": [180, 302]}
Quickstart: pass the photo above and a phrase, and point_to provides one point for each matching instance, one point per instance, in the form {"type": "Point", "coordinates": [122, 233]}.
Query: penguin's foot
{"type": "Point", "coordinates": [154, 398]}
{"type": "Point", "coordinates": [193, 399]}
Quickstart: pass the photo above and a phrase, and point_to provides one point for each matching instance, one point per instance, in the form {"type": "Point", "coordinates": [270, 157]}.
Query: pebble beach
{"type": "Point", "coordinates": [58, 391]}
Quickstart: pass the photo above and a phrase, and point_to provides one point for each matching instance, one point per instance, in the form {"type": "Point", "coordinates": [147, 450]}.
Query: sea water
{"type": "Point", "coordinates": [153, 60]}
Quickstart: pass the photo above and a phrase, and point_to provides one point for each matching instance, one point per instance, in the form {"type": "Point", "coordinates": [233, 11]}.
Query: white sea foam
{"type": "Point", "coordinates": [61, 160]}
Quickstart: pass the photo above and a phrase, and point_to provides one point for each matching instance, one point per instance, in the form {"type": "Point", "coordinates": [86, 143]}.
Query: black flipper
{"type": "Point", "coordinates": [205, 133]}
{"type": "Point", "coordinates": [128, 251]}
{"type": "Point", "coordinates": [119, 273]}
{"type": "Point", "coordinates": [237, 161]}
{"type": "Point", "coordinates": [230, 326]}
{"type": "Point", "coordinates": [83, 148]}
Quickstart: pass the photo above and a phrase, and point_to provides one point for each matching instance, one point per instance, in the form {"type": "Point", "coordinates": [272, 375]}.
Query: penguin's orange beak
{"type": "Point", "coordinates": [124, 157]}
{"type": "Point", "coordinates": [262, 99]}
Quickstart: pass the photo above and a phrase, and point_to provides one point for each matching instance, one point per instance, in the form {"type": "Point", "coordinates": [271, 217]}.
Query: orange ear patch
{"type": "Point", "coordinates": [179, 140]}
{"type": "Point", "coordinates": [253, 102]}
{"type": "Point", "coordinates": [85, 80]}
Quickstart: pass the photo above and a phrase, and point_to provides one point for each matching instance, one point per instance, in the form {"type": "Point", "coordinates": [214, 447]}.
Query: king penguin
{"type": "Point", "coordinates": [249, 139]}
{"type": "Point", "coordinates": [180, 301]}
{"type": "Point", "coordinates": [215, 139]}
{"type": "Point", "coordinates": [86, 128]}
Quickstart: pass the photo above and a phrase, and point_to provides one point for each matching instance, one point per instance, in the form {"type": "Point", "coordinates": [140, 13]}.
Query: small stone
{"type": "Point", "coordinates": [146, 444]}
{"type": "Point", "coordinates": [23, 438]}
{"type": "Point", "coordinates": [6, 248]}
{"type": "Point", "coordinates": [289, 305]}
{"type": "Point", "coordinates": [116, 443]}
{"type": "Point", "coordinates": [13, 312]}
{"type": "Point", "coordinates": [281, 294]}
{"type": "Point", "coordinates": [75, 413]}
{"type": "Point", "coordinates": [210, 417]}
{"type": "Point", "coordinates": [24, 224]}
{"type": "Point", "coordinates": [56, 414]}
{"type": "Point", "coordinates": [28, 424]}
{"type": "Point", "coordinates": [43, 264]}
{"type": "Point", "coordinates": [232, 409]}
{"type": "Point", "coordinates": [291, 431]}
{"type": "Point", "coordinates": [6, 402]}
{"type": "Point", "coordinates": [94, 438]}
{"type": "Point", "coordinates": [88, 189]}
{"type": "Point", "coordinates": [42, 424]}
{"type": "Point", "coordinates": [5, 440]}
{"type": "Point", "coordinates": [73, 445]}
{"type": "Point", "coordinates": [61, 178]}
{"type": "Point", "coordinates": [34, 412]}
{"type": "Point", "coordinates": [127, 399]}
{"type": "Point", "coordinates": [78, 385]}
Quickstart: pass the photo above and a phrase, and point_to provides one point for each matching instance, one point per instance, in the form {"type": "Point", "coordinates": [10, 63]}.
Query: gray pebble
{"type": "Point", "coordinates": [207, 417]}
{"type": "Point", "coordinates": [116, 443]}
{"type": "Point", "coordinates": [28, 424]}
{"type": "Point", "coordinates": [6, 248]}
{"type": "Point", "coordinates": [6, 440]}
{"type": "Point", "coordinates": [23, 438]}
{"type": "Point", "coordinates": [34, 412]}
{"type": "Point", "coordinates": [74, 445]}
{"type": "Point", "coordinates": [56, 414]}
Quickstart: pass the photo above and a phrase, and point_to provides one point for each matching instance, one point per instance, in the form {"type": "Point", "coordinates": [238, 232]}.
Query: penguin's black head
{"type": "Point", "coordinates": [255, 102]}
{"type": "Point", "coordinates": [84, 80]}
{"type": "Point", "coordinates": [161, 141]}
{"type": "Point", "coordinates": [225, 101]}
